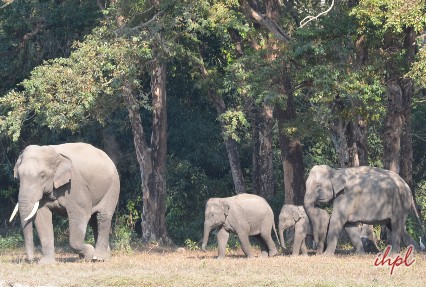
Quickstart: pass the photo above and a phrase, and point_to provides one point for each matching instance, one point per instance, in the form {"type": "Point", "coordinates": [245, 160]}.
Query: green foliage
{"type": "Point", "coordinates": [45, 30]}
{"type": "Point", "coordinates": [418, 71]}
{"type": "Point", "coordinates": [188, 190]}
{"type": "Point", "coordinates": [123, 233]}
{"type": "Point", "coordinates": [191, 245]}
{"type": "Point", "coordinates": [232, 122]}
{"type": "Point", "coordinates": [11, 240]}
{"type": "Point", "coordinates": [420, 192]}
{"type": "Point", "coordinates": [72, 63]}
{"type": "Point", "coordinates": [394, 15]}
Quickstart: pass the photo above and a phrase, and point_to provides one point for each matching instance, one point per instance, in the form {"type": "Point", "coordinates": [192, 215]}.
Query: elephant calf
{"type": "Point", "coordinates": [245, 215]}
{"type": "Point", "coordinates": [292, 215]}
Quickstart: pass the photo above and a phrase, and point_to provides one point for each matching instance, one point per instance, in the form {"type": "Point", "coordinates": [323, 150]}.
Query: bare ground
{"type": "Point", "coordinates": [154, 267]}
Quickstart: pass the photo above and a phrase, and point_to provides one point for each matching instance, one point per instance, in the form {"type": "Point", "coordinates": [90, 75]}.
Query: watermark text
{"type": "Point", "coordinates": [384, 259]}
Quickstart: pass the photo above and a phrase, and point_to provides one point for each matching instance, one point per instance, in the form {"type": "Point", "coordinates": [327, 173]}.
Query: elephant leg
{"type": "Point", "coordinates": [303, 247]}
{"type": "Point", "coordinates": [342, 205]}
{"type": "Point", "coordinates": [222, 240]}
{"type": "Point", "coordinates": [102, 250]}
{"type": "Point", "coordinates": [77, 230]}
{"type": "Point", "coordinates": [320, 247]}
{"type": "Point", "coordinates": [353, 233]}
{"type": "Point", "coordinates": [297, 243]}
{"type": "Point", "coordinates": [397, 227]}
{"type": "Point", "coordinates": [245, 244]}
{"type": "Point", "coordinates": [265, 234]}
{"type": "Point", "coordinates": [44, 226]}
{"type": "Point", "coordinates": [263, 247]}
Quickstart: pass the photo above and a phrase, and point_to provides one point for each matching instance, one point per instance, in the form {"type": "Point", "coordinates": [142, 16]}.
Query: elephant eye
{"type": "Point", "coordinates": [42, 175]}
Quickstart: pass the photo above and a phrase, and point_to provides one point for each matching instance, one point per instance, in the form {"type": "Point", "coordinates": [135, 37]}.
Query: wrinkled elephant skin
{"type": "Point", "coordinates": [359, 194]}
{"type": "Point", "coordinates": [75, 180]}
{"type": "Point", "coordinates": [243, 214]}
{"type": "Point", "coordinates": [295, 216]}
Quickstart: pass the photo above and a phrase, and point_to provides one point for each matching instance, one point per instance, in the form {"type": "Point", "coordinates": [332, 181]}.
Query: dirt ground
{"type": "Point", "coordinates": [156, 267]}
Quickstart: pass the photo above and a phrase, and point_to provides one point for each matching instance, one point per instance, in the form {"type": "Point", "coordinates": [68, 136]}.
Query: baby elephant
{"type": "Point", "coordinates": [245, 215]}
{"type": "Point", "coordinates": [292, 215]}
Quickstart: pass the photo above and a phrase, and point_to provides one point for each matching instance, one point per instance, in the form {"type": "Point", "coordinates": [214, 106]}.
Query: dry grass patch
{"type": "Point", "coordinates": [195, 268]}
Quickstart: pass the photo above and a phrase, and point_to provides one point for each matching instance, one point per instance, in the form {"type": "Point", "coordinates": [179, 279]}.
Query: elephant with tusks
{"type": "Point", "coordinates": [75, 180]}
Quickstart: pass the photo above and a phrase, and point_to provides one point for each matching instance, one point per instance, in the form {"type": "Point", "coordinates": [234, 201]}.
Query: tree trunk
{"type": "Point", "coordinates": [263, 172]}
{"type": "Point", "coordinates": [152, 161]}
{"type": "Point", "coordinates": [392, 128]}
{"type": "Point", "coordinates": [291, 149]}
{"type": "Point", "coordinates": [407, 87]}
{"type": "Point", "coordinates": [154, 195]}
{"type": "Point", "coordinates": [397, 136]}
{"type": "Point", "coordinates": [231, 147]}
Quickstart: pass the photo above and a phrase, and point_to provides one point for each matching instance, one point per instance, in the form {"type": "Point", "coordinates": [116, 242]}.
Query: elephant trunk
{"type": "Point", "coordinates": [28, 203]}
{"type": "Point", "coordinates": [27, 228]}
{"type": "Point", "coordinates": [281, 233]}
{"type": "Point", "coordinates": [207, 229]}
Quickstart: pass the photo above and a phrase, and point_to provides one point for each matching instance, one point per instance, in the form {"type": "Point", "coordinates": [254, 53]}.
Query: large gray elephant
{"type": "Point", "coordinates": [292, 215]}
{"type": "Point", "coordinates": [75, 180]}
{"type": "Point", "coordinates": [245, 215]}
{"type": "Point", "coordinates": [359, 194]}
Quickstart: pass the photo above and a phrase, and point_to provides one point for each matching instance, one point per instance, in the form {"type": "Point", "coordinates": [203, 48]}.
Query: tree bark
{"type": "Point", "coordinates": [154, 193]}
{"type": "Point", "coordinates": [263, 172]}
{"type": "Point", "coordinates": [231, 147]}
{"type": "Point", "coordinates": [392, 128]}
{"type": "Point", "coordinates": [407, 87]}
{"type": "Point", "coordinates": [291, 149]}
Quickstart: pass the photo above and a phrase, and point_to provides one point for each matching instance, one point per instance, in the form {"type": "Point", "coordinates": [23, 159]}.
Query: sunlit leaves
{"type": "Point", "coordinates": [394, 15]}
{"type": "Point", "coordinates": [418, 71]}
{"type": "Point", "coordinates": [233, 121]}
{"type": "Point", "coordinates": [13, 114]}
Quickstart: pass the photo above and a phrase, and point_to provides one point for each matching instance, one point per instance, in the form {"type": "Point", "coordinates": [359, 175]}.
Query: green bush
{"type": "Point", "coordinates": [11, 240]}
{"type": "Point", "coordinates": [123, 233]}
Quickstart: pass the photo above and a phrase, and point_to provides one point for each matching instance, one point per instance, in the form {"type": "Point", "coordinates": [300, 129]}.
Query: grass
{"type": "Point", "coordinates": [161, 267]}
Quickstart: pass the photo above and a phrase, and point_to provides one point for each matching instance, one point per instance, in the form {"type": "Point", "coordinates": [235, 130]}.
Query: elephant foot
{"type": "Point", "coordinates": [87, 252]}
{"type": "Point", "coordinates": [47, 260]}
{"type": "Point", "coordinates": [101, 255]}
{"type": "Point", "coordinates": [264, 254]}
{"type": "Point", "coordinates": [273, 253]}
{"type": "Point", "coordinates": [328, 253]}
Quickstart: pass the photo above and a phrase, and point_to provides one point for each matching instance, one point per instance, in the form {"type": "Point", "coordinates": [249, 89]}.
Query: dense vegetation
{"type": "Point", "coordinates": [256, 95]}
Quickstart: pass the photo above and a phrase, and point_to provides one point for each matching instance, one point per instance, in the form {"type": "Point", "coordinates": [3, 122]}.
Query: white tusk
{"type": "Point", "coordinates": [15, 211]}
{"type": "Point", "coordinates": [33, 212]}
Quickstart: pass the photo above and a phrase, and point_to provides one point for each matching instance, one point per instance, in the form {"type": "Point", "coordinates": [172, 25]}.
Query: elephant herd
{"type": "Point", "coordinates": [358, 195]}
{"type": "Point", "coordinates": [80, 181]}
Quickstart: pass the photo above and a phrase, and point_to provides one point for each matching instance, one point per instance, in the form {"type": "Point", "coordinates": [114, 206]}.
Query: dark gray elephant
{"type": "Point", "coordinates": [245, 215]}
{"type": "Point", "coordinates": [75, 180]}
{"type": "Point", "coordinates": [292, 215]}
{"type": "Point", "coordinates": [359, 194]}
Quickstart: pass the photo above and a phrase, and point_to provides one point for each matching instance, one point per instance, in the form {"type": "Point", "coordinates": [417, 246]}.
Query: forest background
{"type": "Point", "coordinates": [198, 99]}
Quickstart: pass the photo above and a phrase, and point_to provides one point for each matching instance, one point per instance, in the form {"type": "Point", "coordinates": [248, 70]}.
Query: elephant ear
{"type": "Point", "coordinates": [338, 181]}
{"type": "Point", "coordinates": [296, 214]}
{"type": "Point", "coordinates": [226, 207]}
{"type": "Point", "coordinates": [17, 164]}
{"type": "Point", "coordinates": [62, 172]}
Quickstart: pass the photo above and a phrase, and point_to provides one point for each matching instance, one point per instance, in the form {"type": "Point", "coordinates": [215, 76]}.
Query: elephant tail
{"type": "Point", "coordinates": [276, 235]}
